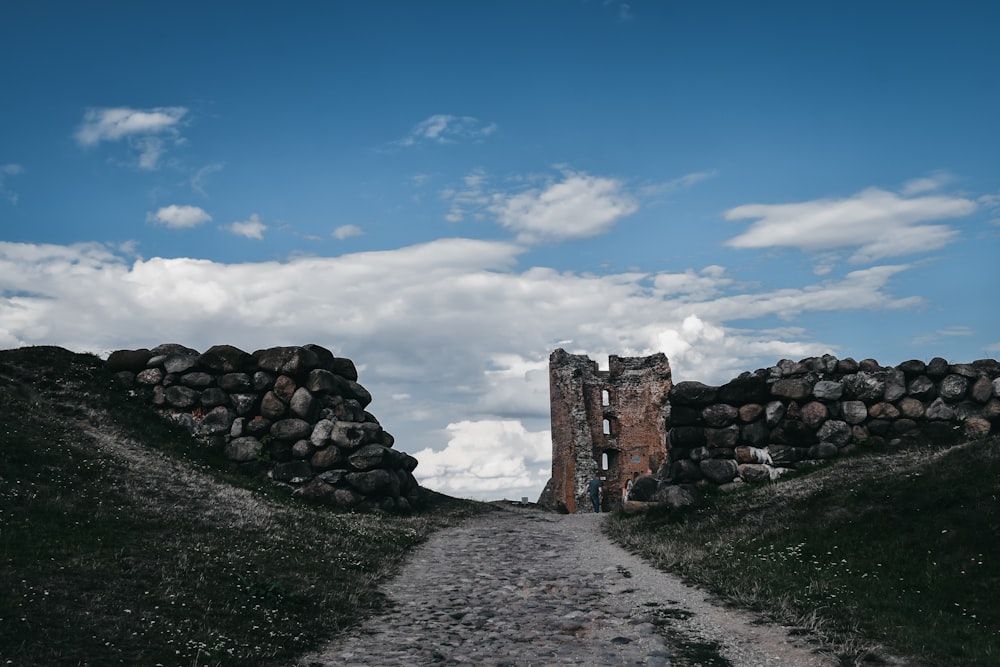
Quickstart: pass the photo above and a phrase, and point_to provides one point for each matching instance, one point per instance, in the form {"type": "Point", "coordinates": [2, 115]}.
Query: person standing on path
{"type": "Point", "coordinates": [596, 492]}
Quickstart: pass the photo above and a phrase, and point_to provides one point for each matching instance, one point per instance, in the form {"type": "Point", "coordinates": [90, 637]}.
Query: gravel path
{"type": "Point", "coordinates": [520, 587]}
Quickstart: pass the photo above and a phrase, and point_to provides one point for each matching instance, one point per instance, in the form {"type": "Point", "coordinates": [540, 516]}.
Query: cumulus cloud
{"type": "Point", "coordinates": [445, 128]}
{"type": "Point", "coordinates": [578, 206]}
{"type": "Point", "coordinates": [7, 170]}
{"type": "Point", "coordinates": [485, 458]}
{"type": "Point", "coordinates": [452, 338]}
{"type": "Point", "coordinates": [143, 129]}
{"type": "Point", "coordinates": [179, 217]}
{"type": "Point", "coordinates": [878, 223]}
{"type": "Point", "coordinates": [252, 228]}
{"type": "Point", "coordinates": [346, 232]}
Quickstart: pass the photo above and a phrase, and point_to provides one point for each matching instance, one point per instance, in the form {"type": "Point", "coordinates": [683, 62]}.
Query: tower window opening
{"type": "Point", "coordinates": [605, 397]}
{"type": "Point", "coordinates": [607, 427]}
{"type": "Point", "coordinates": [604, 461]}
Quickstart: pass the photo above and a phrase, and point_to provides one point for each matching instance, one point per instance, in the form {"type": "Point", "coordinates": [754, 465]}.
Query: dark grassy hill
{"type": "Point", "coordinates": [123, 542]}
{"type": "Point", "coordinates": [887, 554]}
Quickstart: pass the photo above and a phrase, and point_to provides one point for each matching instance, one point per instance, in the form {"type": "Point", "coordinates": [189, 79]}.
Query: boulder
{"type": "Point", "coordinates": [128, 360]}
{"type": "Point", "coordinates": [197, 380]}
{"type": "Point", "coordinates": [236, 382]}
{"type": "Point", "coordinates": [284, 388]}
{"type": "Point", "coordinates": [149, 376]}
{"type": "Point", "coordinates": [794, 389]}
{"type": "Point", "coordinates": [865, 386]}
{"type": "Point", "coordinates": [750, 412]}
{"type": "Point", "coordinates": [939, 410]}
{"type": "Point", "coordinates": [913, 367]}
{"type": "Point", "coordinates": [719, 415]}
{"type": "Point", "coordinates": [272, 407]}
{"type": "Point", "coordinates": [755, 472]}
{"type": "Point", "coordinates": [883, 410]}
{"type": "Point", "coordinates": [953, 388]}
{"type": "Point", "coordinates": [756, 434]}
{"type": "Point", "coordinates": [243, 449]}
{"type": "Point", "coordinates": [895, 385]}
{"type": "Point", "coordinates": [181, 397]}
{"type": "Point", "coordinates": [244, 404]}
{"type": "Point", "coordinates": [302, 404]}
{"type": "Point", "coordinates": [719, 471]}
{"type": "Point", "coordinates": [937, 368]}
{"type": "Point", "coordinates": [716, 438]}
{"type": "Point", "coordinates": [217, 421]}
{"type": "Point", "coordinates": [692, 393]}
{"type": "Point", "coordinates": [180, 363]}
{"type": "Point", "coordinates": [774, 412]}
{"type": "Point", "coordinates": [854, 412]}
{"type": "Point", "coordinates": [742, 390]}
{"type": "Point", "coordinates": [326, 458]}
{"type": "Point", "coordinates": [686, 436]}
{"type": "Point", "coordinates": [372, 482]}
{"type": "Point", "coordinates": [823, 450]}
{"type": "Point", "coordinates": [835, 432]}
{"type": "Point", "coordinates": [828, 390]}
{"type": "Point", "coordinates": [226, 359]}
{"type": "Point", "coordinates": [293, 361]}
{"type": "Point", "coordinates": [911, 408]}
{"type": "Point", "coordinates": [814, 413]}
{"type": "Point", "coordinates": [291, 429]}
{"type": "Point", "coordinates": [643, 489]}
{"type": "Point", "coordinates": [921, 388]}
{"type": "Point", "coordinates": [213, 397]}
{"type": "Point", "coordinates": [982, 389]}
{"type": "Point", "coordinates": [368, 457]}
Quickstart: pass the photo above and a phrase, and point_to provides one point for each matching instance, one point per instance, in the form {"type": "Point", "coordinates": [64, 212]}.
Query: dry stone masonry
{"type": "Point", "coordinates": [298, 409]}
{"type": "Point", "coordinates": [756, 426]}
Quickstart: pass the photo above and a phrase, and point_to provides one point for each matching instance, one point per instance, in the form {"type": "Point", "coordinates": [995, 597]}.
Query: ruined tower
{"type": "Point", "coordinates": [609, 423]}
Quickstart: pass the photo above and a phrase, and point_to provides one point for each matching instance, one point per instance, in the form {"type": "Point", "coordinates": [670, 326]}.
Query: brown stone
{"type": "Point", "coordinates": [750, 412]}
{"type": "Point", "coordinates": [883, 410]}
{"type": "Point", "coordinates": [911, 408]}
{"type": "Point", "coordinates": [284, 388]}
{"type": "Point", "coordinates": [814, 413]}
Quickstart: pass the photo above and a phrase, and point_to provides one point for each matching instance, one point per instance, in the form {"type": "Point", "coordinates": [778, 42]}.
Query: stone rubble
{"type": "Point", "coordinates": [298, 410]}
{"type": "Point", "coordinates": [793, 414]}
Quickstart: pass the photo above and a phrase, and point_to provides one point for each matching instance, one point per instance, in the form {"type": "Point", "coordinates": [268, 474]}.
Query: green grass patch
{"type": "Point", "coordinates": [893, 551]}
{"type": "Point", "coordinates": [122, 541]}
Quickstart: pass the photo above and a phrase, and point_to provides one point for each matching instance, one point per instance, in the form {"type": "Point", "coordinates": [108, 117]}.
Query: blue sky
{"type": "Point", "coordinates": [446, 191]}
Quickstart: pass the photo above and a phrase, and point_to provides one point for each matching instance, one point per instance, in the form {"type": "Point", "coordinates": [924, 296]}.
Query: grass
{"type": "Point", "coordinates": [123, 542]}
{"type": "Point", "coordinates": [896, 555]}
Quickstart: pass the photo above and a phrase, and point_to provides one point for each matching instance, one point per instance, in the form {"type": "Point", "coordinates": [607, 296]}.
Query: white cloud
{"type": "Point", "coordinates": [486, 457]}
{"type": "Point", "coordinates": [445, 128]}
{"type": "Point", "coordinates": [198, 178]}
{"type": "Point", "coordinates": [143, 129]}
{"type": "Point", "coordinates": [878, 223]}
{"type": "Point", "coordinates": [578, 206]}
{"type": "Point", "coordinates": [454, 339]}
{"type": "Point", "coordinates": [681, 183]}
{"type": "Point", "coordinates": [251, 228]}
{"type": "Point", "coordinates": [346, 232]}
{"type": "Point", "coordinates": [941, 334]}
{"type": "Point", "coordinates": [924, 184]}
{"type": "Point", "coordinates": [6, 170]}
{"type": "Point", "coordinates": [179, 217]}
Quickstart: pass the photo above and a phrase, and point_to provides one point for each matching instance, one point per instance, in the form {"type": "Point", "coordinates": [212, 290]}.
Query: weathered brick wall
{"type": "Point", "coordinates": [627, 401]}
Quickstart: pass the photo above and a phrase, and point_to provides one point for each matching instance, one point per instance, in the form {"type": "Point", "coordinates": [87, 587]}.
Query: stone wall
{"type": "Point", "coordinates": [298, 410]}
{"type": "Point", "coordinates": [762, 423]}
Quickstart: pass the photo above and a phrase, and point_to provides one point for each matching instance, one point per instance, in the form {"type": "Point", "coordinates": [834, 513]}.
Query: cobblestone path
{"type": "Point", "coordinates": [521, 587]}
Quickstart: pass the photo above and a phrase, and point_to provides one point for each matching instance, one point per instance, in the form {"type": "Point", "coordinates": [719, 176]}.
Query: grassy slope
{"type": "Point", "coordinates": [122, 543]}
{"type": "Point", "coordinates": [899, 551]}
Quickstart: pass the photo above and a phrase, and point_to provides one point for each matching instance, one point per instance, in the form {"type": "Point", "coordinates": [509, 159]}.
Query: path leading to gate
{"type": "Point", "coordinates": [521, 587]}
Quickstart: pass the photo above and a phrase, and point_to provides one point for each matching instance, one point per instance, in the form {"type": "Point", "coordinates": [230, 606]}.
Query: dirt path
{"type": "Point", "coordinates": [518, 587]}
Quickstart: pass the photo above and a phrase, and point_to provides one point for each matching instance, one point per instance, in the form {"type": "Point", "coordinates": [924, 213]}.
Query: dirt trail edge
{"type": "Point", "coordinates": [520, 587]}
